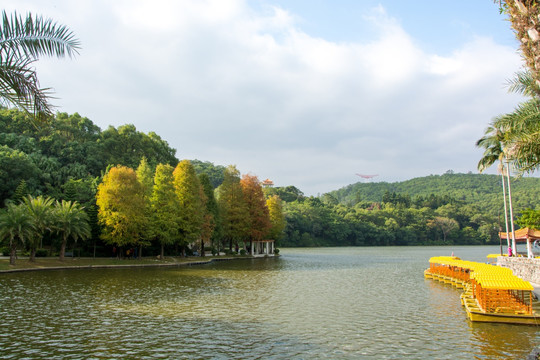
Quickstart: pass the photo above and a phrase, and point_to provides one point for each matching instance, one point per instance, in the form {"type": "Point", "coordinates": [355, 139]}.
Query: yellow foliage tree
{"type": "Point", "coordinates": [277, 219]}
{"type": "Point", "coordinates": [121, 207]}
{"type": "Point", "coordinates": [191, 205]}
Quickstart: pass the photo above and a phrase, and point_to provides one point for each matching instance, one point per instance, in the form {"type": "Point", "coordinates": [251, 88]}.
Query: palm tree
{"type": "Point", "coordinates": [522, 135]}
{"type": "Point", "coordinates": [40, 208]}
{"type": "Point", "coordinates": [493, 143]}
{"type": "Point", "coordinates": [521, 127]}
{"type": "Point", "coordinates": [16, 225]}
{"type": "Point", "coordinates": [22, 42]}
{"type": "Point", "coordinates": [514, 138]}
{"type": "Point", "coordinates": [72, 222]}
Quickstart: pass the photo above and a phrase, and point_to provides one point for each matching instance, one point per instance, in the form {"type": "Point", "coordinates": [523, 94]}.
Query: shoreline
{"type": "Point", "coordinates": [126, 266]}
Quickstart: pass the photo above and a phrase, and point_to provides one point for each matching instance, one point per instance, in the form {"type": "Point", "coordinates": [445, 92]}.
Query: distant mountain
{"type": "Point", "coordinates": [482, 190]}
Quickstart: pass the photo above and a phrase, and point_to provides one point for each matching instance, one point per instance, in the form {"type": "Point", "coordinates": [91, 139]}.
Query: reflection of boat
{"type": "Point", "coordinates": [491, 293]}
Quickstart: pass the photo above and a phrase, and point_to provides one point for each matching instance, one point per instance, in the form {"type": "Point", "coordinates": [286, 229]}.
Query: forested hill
{"type": "Point", "coordinates": [485, 191]}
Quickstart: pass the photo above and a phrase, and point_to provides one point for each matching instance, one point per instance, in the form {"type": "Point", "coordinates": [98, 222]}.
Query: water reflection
{"type": "Point", "coordinates": [351, 303]}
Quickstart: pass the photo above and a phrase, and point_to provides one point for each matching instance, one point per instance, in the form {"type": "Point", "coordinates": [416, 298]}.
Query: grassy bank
{"type": "Point", "coordinates": [52, 263]}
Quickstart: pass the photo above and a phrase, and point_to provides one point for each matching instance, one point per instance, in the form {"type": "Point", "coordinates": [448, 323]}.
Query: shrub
{"type": "Point", "coordinates": [243, 252]}
{"type": "Point", "coordinates": [276, 251]}
{"type": "Point", "coordinates": [42, 252]}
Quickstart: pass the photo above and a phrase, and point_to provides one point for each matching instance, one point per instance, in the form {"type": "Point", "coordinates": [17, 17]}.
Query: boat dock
{"type": "Point", "coordinates": [490, 293]}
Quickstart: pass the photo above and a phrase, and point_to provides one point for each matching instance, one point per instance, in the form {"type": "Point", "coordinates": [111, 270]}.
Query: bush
{"type": "Point", "coordinates": [243, 252]}
{"type": "Point", "coordinates": [42, 252]}
{"type": "Point", "coordinates": [276, 251]}
{"type": "Point", "coordinates": [4, 251]}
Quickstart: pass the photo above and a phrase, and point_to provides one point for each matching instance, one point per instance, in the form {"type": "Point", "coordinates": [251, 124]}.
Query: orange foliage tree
{"type": "Point", "coordinates": [259, 218]}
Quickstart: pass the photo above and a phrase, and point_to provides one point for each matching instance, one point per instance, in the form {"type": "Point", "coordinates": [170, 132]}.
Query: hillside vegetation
{"type": "Point", "coordinates": [485, 191]}
{"type": "Point", "coordinates": [434, 210]}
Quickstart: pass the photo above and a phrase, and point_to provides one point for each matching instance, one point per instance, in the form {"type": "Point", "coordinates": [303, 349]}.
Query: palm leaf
{"type": "Point", "coordinates": [32, 37]}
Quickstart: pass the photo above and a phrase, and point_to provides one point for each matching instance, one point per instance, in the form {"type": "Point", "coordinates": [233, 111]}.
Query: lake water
{"type": "Point", "coordinates": [325, 303]}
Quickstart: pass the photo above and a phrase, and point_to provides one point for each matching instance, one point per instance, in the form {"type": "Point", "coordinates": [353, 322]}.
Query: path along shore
{"type": "Point", "coordinates": [147, 262]}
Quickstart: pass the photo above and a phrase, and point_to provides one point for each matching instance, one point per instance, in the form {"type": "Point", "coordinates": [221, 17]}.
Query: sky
{"type": "Point", "coordinates": [304, 92]}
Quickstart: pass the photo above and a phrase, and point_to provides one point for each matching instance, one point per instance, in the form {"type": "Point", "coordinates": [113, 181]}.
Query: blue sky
{"type": "Point", "coordinates": [306, 93]}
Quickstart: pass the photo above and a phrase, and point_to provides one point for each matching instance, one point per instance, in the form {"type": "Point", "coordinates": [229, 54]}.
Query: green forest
{"type": "Point", "coordinates": [434, 210]}
{"type": "Point", "coordinates": [68, 159]}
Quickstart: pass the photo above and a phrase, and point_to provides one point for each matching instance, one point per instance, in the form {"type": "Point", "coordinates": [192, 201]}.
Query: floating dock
{"type": "Point", "coordinates": [490, 293]}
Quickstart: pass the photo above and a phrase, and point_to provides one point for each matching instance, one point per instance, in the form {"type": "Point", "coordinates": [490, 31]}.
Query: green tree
{"type": "Point", "coordinates": [232, 207]}
{"type": "Point", "coordinates": [15, 166]}
{"type": "Point", "coordinates": [41, 210]}
{"type": "Point", "coordinates": [211, 213]}
{"type": "Point", "coordinates": [164, 208]}
{"type": "Point", "coordinates": [515, 136]}
{"type": "Point", "coordinates": [71, 222]}
{"type": "Point", "coordinates": [16, 225]}
{"type": "Point", "coordinates": [277, 218]}
{"type": "Point", "coordinates": [121, 207]}
{"type": "Point", "coordinates": [445, 225]}
{"type": "Point", "coordinates": [22, 42]}
{"type": "Point", "coordinates": [145, 175]}
{"type": "Point", "coordinates": [529, 218]}
{"type": "Point", "coordinates": [191, 206]}
{"type": "Point", "coordinates": [126, 146]}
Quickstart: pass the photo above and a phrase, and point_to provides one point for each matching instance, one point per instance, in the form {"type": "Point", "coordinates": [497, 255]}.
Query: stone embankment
{"type": "Point", "coordinates": [525, 268]}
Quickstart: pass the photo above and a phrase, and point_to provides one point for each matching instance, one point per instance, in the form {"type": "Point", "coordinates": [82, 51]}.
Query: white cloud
{"type": "Point", "coordinates": [225, 83]}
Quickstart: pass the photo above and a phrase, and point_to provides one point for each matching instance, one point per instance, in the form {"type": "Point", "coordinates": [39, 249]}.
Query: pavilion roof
{"type": "Point", "coordinates": [523, 234]}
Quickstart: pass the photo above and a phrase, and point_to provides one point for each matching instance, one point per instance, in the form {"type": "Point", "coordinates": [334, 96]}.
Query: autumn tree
{"type": "Point", "coordinates": [191, 207]}
{"type": "Point", "coordinates": [277, 218]}
{"type": "Point", "coordinates": [120, 200]}
{"type": "Point", "coordinates": [211, 215]}
{"type": "Point", "coordinates": [164, 208]}
{"type": "Point", "coordinates": [258, 216]}
{"type": "Point", "coordinates": [232, 207]}
{"type": "Point", "coordinates": [145, 176]}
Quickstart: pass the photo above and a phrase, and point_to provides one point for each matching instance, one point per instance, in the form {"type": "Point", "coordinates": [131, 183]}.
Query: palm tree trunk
{"type": "Point", "coordinates": [33, 254]}
{"type": "Point", "coordinates": [511, 212]}
{"type": "Point", "coordinates": [63, 248]}
{"type": "Point", "coordinates": [161, 256]}
{"type": "Point", "coordinates": [12, 253]}
{"type": "Point", "coordinates": [505, 209]}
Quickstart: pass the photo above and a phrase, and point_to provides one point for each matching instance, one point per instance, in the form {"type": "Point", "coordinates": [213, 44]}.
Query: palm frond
{"type": "Point", "coordinates": [32, 37]}
{"type": "Point", "coordinates": [19, 86]}
{"type": "Point", "coordinates": [524, 84]}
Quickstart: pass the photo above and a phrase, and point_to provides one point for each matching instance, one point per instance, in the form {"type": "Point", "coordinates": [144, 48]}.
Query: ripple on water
{"type": "Point", "coordinates": [354, 303]}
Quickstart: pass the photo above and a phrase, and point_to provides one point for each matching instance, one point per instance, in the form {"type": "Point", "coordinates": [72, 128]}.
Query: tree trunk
{"type": "Point", "coordinates": [63, 249]}
{"type": "Point", "coordinates": [202, 247]}
{"type": "Point", "coordinates": [140, 252]}
{"type": "Point", "coordinates": [161, 256]}
{"type": "Point", "coordinates": [33, 254]}
{"type": "Point", "coordinates": [12, 253]}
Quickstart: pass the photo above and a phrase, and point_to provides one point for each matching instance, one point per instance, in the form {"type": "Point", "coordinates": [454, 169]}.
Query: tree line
{"type": "Point", "coordinates": [175, 207]}
{"type": "Point", "coordinates": [398, 219]}
{"type": "Point", "coordinates": [71, 160]}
